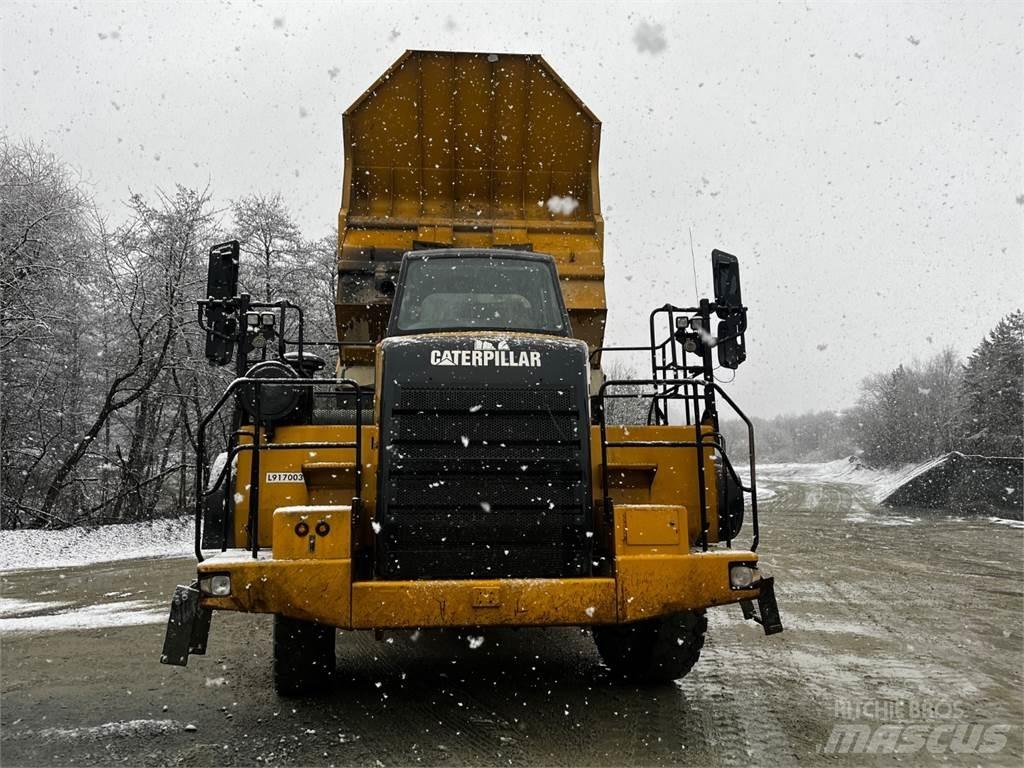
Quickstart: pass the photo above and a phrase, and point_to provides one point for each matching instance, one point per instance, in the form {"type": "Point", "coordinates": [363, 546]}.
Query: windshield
{"type": "Point", "coordinates": [452, 293]}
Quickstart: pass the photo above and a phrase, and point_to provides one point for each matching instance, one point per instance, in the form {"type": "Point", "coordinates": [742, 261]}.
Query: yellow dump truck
{"type": "Point", "coordinates": [463, 467]}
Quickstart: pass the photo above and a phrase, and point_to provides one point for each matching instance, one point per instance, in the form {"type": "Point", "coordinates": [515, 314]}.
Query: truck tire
{"type": "Point", "coordinates": [653, 650]}
{"type": "Point", "coordinates": [303, 656]}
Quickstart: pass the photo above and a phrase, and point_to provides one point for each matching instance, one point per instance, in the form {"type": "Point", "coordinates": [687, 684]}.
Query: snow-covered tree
{"type": "Point", "coordinates": [910, 413]}
{"type": "Point", "coordinates": [271, 245]}
{"type": "Point", "coordinates": [993, 389]}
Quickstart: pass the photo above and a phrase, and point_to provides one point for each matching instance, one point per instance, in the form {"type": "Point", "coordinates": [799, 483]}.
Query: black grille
{"type": "Point", "coordinates": [485, 427]}
{"type": "Point", "coordinates": [500, 491]}
{"type": "Point", "coordinates": [497, 400]}
{"type": "Point", "coordinates": [480, 561]}
{"type": "Point", "coordinates": [468, 526]}
{"type": "Point", "coordinates": [484, 483]}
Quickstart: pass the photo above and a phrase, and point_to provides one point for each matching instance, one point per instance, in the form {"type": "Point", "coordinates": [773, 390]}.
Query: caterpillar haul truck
{"type": "Point", "coordinates": [460, 468]}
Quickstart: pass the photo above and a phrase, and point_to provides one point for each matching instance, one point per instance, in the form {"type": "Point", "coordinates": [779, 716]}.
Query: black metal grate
{"type": "Point", "coordinates": [485, 427]}
{"type": "Point", "coordinates": [467, 526]}
{"type": "Point", "coordinates": [543, 491]}
{"type": "Point", "coordinates": [474, 400]}
{"type": "Point", "coordinates": [339, 408]}
{"type": "Point", "coordinates": [479, 561]}
{"type": "Point", "coordinates": [484, 483]}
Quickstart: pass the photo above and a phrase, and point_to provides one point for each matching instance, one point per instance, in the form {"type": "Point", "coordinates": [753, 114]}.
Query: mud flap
{"type": "Point", "coordinates": [188, 627]}
{"type": "Point", "coordinates": [767, 612]}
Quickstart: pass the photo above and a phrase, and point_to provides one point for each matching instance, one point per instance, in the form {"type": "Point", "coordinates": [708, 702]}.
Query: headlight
{"type": "Point", "coordinates": [742, 576]}
{"type": "Point", "coordinates": [277, 401]}
{"type": "Point", "coordinates": [218, 585]}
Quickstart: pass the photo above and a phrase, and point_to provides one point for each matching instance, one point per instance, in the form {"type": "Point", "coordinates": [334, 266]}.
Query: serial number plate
{"type": "Point", "coordinates": [285, 477]}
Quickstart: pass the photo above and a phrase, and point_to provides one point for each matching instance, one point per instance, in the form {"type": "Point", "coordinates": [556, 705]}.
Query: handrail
{"type": "Point", "coordinates": [715, 442]}
{"type": "Point", "coordinates": [600, 350]}
{"type": "Point", "coordinates": [256, 434]}
{"type": "Point", "coordinates": [338, 344]}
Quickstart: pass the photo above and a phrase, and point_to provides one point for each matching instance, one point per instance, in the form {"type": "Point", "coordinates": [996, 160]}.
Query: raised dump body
{"type": "Point", "coordinates": [467, 150]}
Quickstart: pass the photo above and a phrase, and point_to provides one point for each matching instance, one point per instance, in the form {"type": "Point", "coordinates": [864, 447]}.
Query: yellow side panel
{"type": "Point", "coordinates": [656, 526]}
{"type": "Point", "coordinates": [660, 475]}
{"type": "Point", "coordinates": [314, 532]}
{"type": "Point", "coordinates": [304, 475]}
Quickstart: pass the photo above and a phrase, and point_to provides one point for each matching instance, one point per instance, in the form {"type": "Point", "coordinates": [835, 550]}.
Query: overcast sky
{"type": "Point", "coordinates": [864, 161]}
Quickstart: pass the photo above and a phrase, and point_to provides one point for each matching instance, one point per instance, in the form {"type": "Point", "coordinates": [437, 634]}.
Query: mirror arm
{"type": "Point", "coordinates": [205, 328]}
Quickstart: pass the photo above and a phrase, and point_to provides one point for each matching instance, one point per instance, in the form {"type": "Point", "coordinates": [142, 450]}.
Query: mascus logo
{"type": "Point", "coordinates": [486, 353]}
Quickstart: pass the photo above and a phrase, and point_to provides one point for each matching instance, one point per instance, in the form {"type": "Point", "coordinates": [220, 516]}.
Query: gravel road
{"type": "Point", "coordinates": [908, 628]}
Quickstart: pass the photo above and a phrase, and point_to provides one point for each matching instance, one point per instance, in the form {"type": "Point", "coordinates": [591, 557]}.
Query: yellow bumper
{"type": "Point", "coordinates": [644, 586]}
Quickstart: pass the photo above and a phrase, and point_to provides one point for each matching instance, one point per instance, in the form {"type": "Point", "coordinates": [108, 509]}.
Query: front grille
{"type": "Point", "coordinates": [497, 492]}
{"type": "Point", "coordinates": [485, 428]}
{"type": "Point", "coordinates": [484, 483]}
{"type": "Point", "coordinates": [469, 526]}
{"type": "Point", "coordinates": [490, 400]}
{"type": "Point", "coordinates": [480, 561]}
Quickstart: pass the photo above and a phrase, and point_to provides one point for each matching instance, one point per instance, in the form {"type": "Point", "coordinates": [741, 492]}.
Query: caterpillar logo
{"type": "Point", "coordinates": [484, 353]}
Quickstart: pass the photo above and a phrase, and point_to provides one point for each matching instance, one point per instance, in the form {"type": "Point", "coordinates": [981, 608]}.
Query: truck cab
{"type": "Point", "coordinates": [484, 422]}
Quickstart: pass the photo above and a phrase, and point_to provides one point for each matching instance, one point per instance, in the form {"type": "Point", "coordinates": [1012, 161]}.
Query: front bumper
{"type": "Point", "coordinates": [307, 575]}
{"type": "Point", "coordinates": [322, 591]}
{"type": "Point", "coordinates": [644, 586]}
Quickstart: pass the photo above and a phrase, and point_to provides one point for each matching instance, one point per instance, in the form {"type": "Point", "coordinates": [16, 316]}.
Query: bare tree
{"type": "Point", "coordinates": [45, 255]}
{"type": "Point", "coordinates": [143, 271]}
{"type": "Point", "coordinates": [320, 280]}
{"type": "Point", "coordinates": [270, 242]}
{"type": "Point", "coordinates": [634, 407]}
{"type": "Point", "coordinates": [103, 375]}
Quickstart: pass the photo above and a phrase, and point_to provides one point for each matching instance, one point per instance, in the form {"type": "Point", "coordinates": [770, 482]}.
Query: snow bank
{"type": "Point", "coordinates": [126, 613]}
{"type": "Point", "coordinates": [30, 549]}
{"type": "Point", "coordinates": [10, 606]}
{"type": "Point", "coordinates": [850, 471]}
{"type": "Point", "coordinates": [841, 470]}
{"type": "Point", "coordinates": [877, 483]}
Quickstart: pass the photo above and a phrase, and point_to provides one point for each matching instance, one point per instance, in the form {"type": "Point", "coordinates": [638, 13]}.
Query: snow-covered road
{"type": "Point", "coordinates": [889, 628]}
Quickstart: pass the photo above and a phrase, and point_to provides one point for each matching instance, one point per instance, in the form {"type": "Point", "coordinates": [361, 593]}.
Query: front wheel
{"type": "Point", "coordinates": [303, 656]}
{"type": "Point", "coordinates": [653, 650]}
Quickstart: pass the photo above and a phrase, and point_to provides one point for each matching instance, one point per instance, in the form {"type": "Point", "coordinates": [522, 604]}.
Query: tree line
{"type": "Point", "coordinates": [914, 412]}
{"type": "Point", "coordinates": [104, 379]}
{"type": "Point", "coordinates": [103, 373]}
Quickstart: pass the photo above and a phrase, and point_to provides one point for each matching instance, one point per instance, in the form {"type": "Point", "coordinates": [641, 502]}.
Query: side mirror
{"type": "Point", "coordinates": [222, 274]}
{"type": "Point", "coordinates": [731, 347]}
{"type": "Point", "coordinates": [726, 270]}
{"type": "Point", "coordinates": [221, 287]}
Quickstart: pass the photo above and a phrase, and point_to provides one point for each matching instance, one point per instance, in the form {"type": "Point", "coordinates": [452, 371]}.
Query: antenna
{"type": "Point", "coordinates": [693, 263]}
